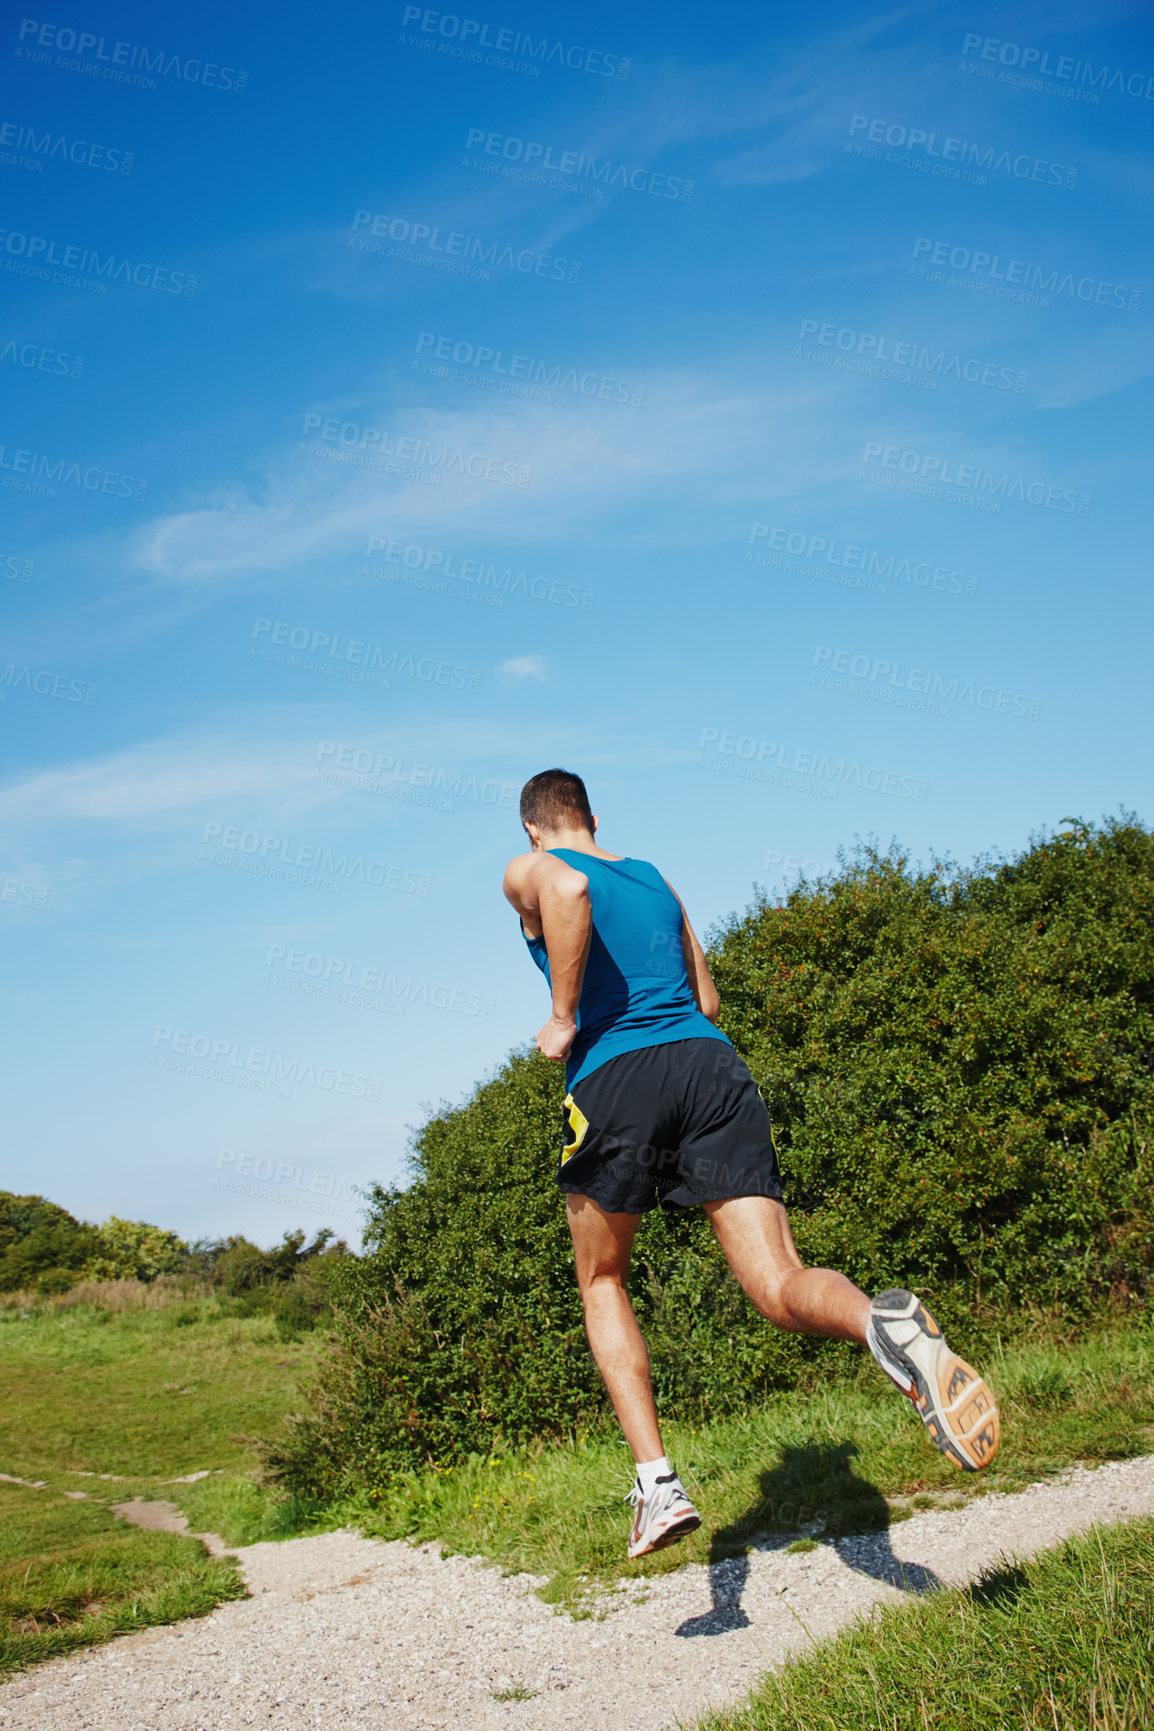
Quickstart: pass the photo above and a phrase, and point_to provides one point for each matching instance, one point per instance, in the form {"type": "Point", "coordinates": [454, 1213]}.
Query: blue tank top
{"type": "Point", "coordinates": [636, 991]}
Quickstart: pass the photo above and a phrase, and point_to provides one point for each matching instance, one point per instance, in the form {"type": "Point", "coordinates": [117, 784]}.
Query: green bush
{"type": "Point", "coordinates": [238, 1266]}
{"type": "Point", "coordinates": [133, 1250]}
{"type": "Point", "coordinates": [958, 1067]}
{"type": "Point", "coordinates": [42, 1245]}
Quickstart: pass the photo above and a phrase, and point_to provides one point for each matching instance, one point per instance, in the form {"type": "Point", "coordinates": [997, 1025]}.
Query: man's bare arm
{"type": "Point", "coordinates": [700, 979]}
{"type": "Point", "coordinates": [553, 902]}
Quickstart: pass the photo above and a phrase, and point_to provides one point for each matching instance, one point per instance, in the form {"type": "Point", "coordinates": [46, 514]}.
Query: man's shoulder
{"type": "Point", "coordinates": [537, 861]}
{"type": "Point", "coordinates": [517, 875]}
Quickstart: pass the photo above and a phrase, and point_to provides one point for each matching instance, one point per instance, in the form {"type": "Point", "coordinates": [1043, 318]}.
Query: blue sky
{"type": "Point", "coordinates": [748, 412]}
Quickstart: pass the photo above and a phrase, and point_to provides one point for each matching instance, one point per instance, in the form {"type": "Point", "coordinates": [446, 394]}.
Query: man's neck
{"type": "Point", "coordinates": [577, 841]}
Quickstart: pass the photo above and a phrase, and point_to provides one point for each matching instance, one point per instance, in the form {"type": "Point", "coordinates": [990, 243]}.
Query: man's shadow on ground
{"type": "Point", "coordinates": [813, 1484]}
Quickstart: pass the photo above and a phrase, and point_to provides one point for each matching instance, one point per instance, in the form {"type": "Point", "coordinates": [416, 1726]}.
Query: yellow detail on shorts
{"type": "Point", "coordinates": [578, 1124]}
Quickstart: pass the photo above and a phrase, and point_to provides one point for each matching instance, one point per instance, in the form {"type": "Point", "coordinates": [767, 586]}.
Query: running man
{"type": "Point", "coordinates": [660, 1109]}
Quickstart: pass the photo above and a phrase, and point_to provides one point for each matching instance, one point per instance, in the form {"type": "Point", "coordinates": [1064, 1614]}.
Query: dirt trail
{"type": "Point", "coordinates": [343, 1631]}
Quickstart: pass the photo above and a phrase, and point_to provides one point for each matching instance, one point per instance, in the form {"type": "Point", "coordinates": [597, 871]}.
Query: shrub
{"type": "Point", "coordinates": [958, 1066]}
{"type": "Point", "coordinates": [133, 1250]}
{"type": "Point", "coordinates": [41, 1245]}
{"type": "Point", "coordinates": [292, 1282]}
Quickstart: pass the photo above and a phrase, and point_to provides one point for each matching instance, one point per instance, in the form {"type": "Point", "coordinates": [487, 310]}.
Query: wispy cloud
{"type": "Point", "coordinates": [173, 779]}
{"type": "Point", "coordinates": [165, 777]}
{"type": "Point", "coordinates": [585, 467]}
{"type": "Point", "coordinates": [523, 667]}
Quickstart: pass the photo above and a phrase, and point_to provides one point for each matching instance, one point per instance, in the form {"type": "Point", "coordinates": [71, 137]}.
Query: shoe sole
{"type": "Point", "coordinates": [679, 1530]}
{"type": "Point", "coordinates": [956, 1405]}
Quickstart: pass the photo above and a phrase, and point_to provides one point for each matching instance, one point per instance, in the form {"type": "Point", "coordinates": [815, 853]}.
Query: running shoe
{"type": "Point", "coordinates": [957, 1408]}
{"type": "Point", "coordinates": [661, 1518]}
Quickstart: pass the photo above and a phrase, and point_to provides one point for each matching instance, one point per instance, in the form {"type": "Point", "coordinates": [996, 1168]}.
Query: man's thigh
{"type": "Point", "coordinates": [601, 1241]}
{"type": "Point", "coordinates": [754, 1234]}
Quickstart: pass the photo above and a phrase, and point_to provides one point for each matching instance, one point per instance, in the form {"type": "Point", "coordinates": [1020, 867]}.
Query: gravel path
{"type": "Point", "coordinates": [343, 1631]}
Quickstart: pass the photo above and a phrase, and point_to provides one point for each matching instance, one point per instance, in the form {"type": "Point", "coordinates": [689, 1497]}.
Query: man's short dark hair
{"type": "Point", "coordinates": [556, 799]}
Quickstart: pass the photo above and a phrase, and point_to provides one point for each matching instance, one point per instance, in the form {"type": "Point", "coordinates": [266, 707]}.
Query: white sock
{"type": "Point", "coordinates": [648, 1473]}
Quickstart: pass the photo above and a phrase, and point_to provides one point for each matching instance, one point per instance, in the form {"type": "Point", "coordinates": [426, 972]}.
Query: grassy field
{"type": "Point", "coordinates": [144, 1382]}
{"type": "Point", "coordinates": [153, 1384]}
{"type": "Point", "coordinates": [1063, 1643]}
{"type": "Point", "coordinates": [110, 1399]}
{"type": "Point", "coordinates": [71, 1574]}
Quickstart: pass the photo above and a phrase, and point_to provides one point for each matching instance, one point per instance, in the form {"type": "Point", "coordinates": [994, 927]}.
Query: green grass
{"type": "Point", "coordinates": [1063, 1643]}
{"type": "Point", "coordinates": [174, 1388]}
{"type": "Point", "coordinates": [71, 1575]}
{"type": "Point", "coordinates": [142, 1392]}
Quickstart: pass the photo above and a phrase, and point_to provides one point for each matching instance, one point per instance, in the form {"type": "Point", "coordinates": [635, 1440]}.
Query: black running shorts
{"type": "Point", "coordinates": [679, 1124]}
